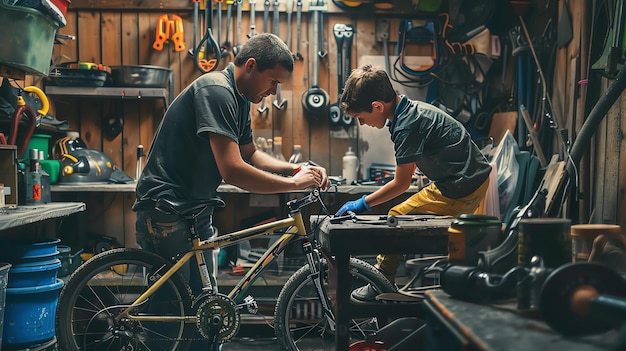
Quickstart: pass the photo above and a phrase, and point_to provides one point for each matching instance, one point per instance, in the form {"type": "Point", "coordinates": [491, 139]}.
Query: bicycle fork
{"type": "Point", "coordinates": [313, 258]}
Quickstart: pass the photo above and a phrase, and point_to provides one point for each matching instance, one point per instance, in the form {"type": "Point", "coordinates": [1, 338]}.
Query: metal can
{"type": "Point", "coordinates": [548, 238]}
{"type": "Point", "coordinates": [469, 234]}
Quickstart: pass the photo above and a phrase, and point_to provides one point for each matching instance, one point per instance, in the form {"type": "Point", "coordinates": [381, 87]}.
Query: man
{"type": "Point", "coordinates": [424, 137]}
{"type": "Point", "coordinates": [206, 137]}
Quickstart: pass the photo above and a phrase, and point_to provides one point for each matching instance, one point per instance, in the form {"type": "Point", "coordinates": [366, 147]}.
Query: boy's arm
{"type": "Point", "coordinates": [396, 187]}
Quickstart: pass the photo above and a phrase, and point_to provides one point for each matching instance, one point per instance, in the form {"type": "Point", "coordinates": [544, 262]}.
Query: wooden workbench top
{"type": "Point", "coordinates": [371, 235]}
{"type": "Point", "coordinates": [22, 215]}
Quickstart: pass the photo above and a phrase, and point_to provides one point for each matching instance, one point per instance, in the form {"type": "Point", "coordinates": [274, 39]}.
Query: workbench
{"type": "Point", "coordinates": [453, 324]}
{"type": "Point", "coordinates": [24, 220]}
{"type": "Point", "coordinates": [345, 239]}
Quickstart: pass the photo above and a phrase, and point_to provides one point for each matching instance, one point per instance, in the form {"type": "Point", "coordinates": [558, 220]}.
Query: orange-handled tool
{"type": "Point", "coordinates": [176, 27]}
{"type": "Point", "coordinates": [162, 32]}
{"type": "Point", "coordinates": [211, 53]}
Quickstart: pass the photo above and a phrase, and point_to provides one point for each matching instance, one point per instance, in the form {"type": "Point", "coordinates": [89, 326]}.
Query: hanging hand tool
{"type": "Point", "coordinates": [320, 7]}
{"type": "Point", "coordinates": [315, 99]}
{"type": "Point", "coordinates": [207, 54]}
{"type": "Point", "coordinates": [162, 32]}
{"type": "Point", "coordinates": [164, 28]}
{"type": "Point", "coordinates": [289, 10]}
{"type": "Point", "coordinates": [178, 38]}
{"type": "Point", "coordinates": [298, 29]}
{"type": "Point", "coordinates": [252, 19]}
{"type": "Point", "coordinates": [335, 111]}
{"type": "Point", "coordinates": [218, 4]}
{"type": "Point", "coordinates": [237, 46]}
{"type": "Point", "coordinates": [348, 35]}
{"type": "Point", "coordinates": [227, 45]}
{"type": "Point", "coordinates": [266, 18]}
{"type": "Point", "coordinates": [195, 26]}
{"type": "Point", "coordinates": [276, 20]}
{"type": "Point", "coordinates": [266, 15]}
{"type": "Point", "coordinates": [278, 103]}
{"type": "Point", "coordinates": [382, 35]}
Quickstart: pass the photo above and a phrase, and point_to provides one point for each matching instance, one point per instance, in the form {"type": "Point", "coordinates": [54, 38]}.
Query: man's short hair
{"type": "Point", "coordinates": [268, 50]}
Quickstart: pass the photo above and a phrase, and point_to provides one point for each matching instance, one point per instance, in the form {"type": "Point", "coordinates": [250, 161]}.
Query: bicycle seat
{"type": "Point", "coordinates": [186, 207]}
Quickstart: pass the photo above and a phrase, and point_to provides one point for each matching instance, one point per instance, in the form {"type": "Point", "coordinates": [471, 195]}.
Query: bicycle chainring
{"type": "Point", "coordinates": [217, 317]}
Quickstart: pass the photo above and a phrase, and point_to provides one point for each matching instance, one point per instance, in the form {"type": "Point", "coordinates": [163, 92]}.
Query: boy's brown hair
{"type": "Point", "coordinates": [365, 85]}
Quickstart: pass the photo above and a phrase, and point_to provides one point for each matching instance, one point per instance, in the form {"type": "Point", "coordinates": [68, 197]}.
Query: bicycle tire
{"type": "Point", "coordinates": [298, 316]}
{"type": "Point", "coordinates": [103, 286]}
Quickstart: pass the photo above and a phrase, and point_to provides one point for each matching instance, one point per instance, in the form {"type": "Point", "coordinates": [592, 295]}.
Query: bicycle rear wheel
{"type": "Point", "coordinates": [87, 313]}
{"type": "Point", "coordinates": [299, 320]}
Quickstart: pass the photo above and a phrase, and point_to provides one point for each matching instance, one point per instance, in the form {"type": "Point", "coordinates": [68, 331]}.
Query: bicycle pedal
{"type": "Point", "coordinates": [398, 297]}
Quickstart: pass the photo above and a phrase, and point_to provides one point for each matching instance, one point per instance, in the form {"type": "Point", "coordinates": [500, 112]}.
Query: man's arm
{"type": "Point", "coordinates": [266, 162]}
{"type": "Point", "coordinates": [398, 185]}
{"type": "Point", "coordinates": [236, 171]}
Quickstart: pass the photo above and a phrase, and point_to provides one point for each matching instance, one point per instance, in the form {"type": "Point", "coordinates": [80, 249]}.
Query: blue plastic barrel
{"type": "Point", "coordinates": [29, 314]}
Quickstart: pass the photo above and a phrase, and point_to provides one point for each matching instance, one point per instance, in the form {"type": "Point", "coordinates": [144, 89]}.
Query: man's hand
{"type": "Point", "coordinates": [356, 206]}
{"type": "Point", "coordinates": [312, 176]}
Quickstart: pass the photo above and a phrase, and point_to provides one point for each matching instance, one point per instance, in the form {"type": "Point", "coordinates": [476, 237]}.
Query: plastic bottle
{"type": "Point", "coordinates": [139, 166]}
{"type": "Point", "coordinates": [46, 193]}
{"type": "Point", "coordinates": [32, 180]}
{"type": "Point", "coordinates": [278, 148]}
{"type": "Point", "coordinates": [350, 166]}
{"type": "Point", "coordinates": [296, 156]}
{"type": "Point", "coordinates": [270, 147]}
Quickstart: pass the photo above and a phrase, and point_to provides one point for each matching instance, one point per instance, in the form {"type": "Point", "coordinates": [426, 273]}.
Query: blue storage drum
{"type": "Point", "coordinates": [32, 293]}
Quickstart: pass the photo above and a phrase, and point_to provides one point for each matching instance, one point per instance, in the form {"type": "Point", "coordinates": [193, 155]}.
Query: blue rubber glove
{"type": "Point", "coordinates": [356, 206]}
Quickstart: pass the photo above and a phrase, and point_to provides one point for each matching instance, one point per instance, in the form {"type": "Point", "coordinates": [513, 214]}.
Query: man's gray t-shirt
{"type": "Point", "coordinates": [181, 163]}
{"type": "Point", "coordinates": [440, 146]}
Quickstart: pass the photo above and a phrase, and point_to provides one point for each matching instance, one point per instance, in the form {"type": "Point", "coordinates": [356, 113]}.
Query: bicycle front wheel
{"type": "Point", "coordinates": [299, 319]}
{"type": "Point", "coordinates": [89, 305]}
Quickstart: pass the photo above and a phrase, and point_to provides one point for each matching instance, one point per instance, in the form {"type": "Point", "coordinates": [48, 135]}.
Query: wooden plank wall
{"type": "Point", "coordinates": [122, 34]}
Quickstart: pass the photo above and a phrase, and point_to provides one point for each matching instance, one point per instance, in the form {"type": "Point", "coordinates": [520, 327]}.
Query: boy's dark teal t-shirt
{"type": "Point", "coordinates": [440, 146]}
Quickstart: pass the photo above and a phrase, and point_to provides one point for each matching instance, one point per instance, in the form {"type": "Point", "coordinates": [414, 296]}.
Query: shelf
{"type": "Point", "coordinates": [111, 92]}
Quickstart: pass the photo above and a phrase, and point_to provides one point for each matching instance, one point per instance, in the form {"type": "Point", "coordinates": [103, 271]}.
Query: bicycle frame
{"type": "Point", "coordinates": [293, 222]}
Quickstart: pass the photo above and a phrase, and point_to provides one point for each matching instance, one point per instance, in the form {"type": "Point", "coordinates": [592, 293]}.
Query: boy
{"type": "Point", "coordinates": [424, 137]}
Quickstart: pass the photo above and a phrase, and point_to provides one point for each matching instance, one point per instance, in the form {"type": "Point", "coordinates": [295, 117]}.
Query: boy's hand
{"type": "Point", "coordinates": [356, 206]}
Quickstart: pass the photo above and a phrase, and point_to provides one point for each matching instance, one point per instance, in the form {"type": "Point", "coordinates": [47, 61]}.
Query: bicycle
{"type": "Point", "coordinates": [131, 299]}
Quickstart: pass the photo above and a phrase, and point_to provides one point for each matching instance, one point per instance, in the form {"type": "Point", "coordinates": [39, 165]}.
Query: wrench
{"type": "Point", "coordinates": [229, 9]}
{"type": "Point", "coordinates": [289, 12]}
{"type": "Point", "coordinates": [238, 30]}
{"type": "Point", "coordinates": [277, 18]}
{"type": "Point", "coordinates": [219, 22]}
{"type": "Point", "coordinates": [348, 35]}
{"type": "Point", "coordinates": [278, 102]}
{"type": "Point", "coordinates": [266, 15]}
{"type": "Point", "coordinates": [266, 18]}
{"type": "Point", "coordinates": [298, 30]}
{"type": "Point", "coordinates": [252, 19]}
